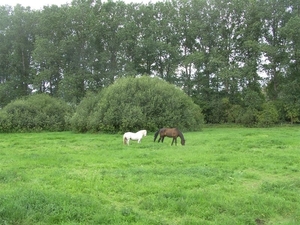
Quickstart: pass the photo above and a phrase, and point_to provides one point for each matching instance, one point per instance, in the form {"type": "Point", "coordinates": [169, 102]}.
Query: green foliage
{"type": "Point", "coordinates": [210, 49]}
{"type": "Point", "coordinates": [138, 103]}
{"type": "Point", "coordinates": [248, 113]}
{"type": "Point", "coordinates": [80, 119]}
{"type": "Point", "coordinates": [234, 113]}
{"type": "Point", "coordinates": [290, 98]}
{"type": "Point", "coordinates": [253, 99]}
{"type": "Point", "coordinates": [35, 113]}
{"type": "Point", "coordinates": [248, 117]}
{"type": "Point", "coordinates": [268, 116]}
{"type": "Point", "coordinates": [219, 111]}
{"type": "Point", "coordinates": [292, 112]}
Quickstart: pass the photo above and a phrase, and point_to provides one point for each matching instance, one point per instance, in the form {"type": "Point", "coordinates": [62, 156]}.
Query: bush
{"type": "Point", "coordinates": [132, 104]}
{"type": "Point", "coordinates": [248, 117]}
{"type": "Point", "coordinates": [80, 120]}
{"type": "Point", "coordinates": [219, 110]}
{"type": "Point", "coordinates": [35, 113]}
{"type": "Point", "coordinates": [268, 116]}
{"type": "Point", "coordinates": [234, 113]}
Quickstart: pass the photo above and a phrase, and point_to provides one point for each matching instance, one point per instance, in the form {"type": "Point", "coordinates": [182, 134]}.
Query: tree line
{"type": "Point", "coordinates": [238, 60]}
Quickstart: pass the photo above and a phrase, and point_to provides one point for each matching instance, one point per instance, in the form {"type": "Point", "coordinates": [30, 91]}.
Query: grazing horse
{"type": "Point", "coordinates": [169, 132]}
{"type": "Point", "coordinates": [134, 136]}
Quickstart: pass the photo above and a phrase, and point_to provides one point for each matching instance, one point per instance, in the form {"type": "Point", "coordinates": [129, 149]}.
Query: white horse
{"type": "Point", "coordinates": [134, 136]}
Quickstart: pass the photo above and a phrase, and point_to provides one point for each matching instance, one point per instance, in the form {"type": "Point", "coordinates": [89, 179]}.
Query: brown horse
{"type": "Point", "coordinates": [169, 132]}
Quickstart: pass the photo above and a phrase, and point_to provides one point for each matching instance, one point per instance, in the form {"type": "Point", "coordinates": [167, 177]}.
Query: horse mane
{"type": "Point", "coordinates": [180, 134]}
{"type": "Point", "coordinates": [144, 132]}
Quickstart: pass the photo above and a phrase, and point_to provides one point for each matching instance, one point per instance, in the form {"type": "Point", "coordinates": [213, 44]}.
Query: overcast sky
{"type": "Point", "coordinates": [38, 4]}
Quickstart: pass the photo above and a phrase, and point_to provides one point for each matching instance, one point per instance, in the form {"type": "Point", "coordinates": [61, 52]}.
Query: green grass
{"type": "Point", "coordinates": [222, 176]}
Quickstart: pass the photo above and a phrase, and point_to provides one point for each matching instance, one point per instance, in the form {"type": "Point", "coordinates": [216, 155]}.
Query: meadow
{"type": "Point", "coordinates": [221, 176]}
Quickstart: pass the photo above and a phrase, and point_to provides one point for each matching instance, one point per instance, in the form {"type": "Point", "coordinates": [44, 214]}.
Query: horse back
{"type": "Point", "coordinates": [170, 132]}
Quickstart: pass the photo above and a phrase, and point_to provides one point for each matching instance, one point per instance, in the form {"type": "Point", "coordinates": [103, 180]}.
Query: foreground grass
{"type": "Point", "coordinates": [222, 176]}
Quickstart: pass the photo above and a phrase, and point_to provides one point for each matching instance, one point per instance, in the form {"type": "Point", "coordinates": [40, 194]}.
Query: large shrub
{"type": "Point", "coordinates": [80, 119]}
{"type": "Point", "coordinates": [269, 116]}
{"type": "Point", "coordinates": [35, 113]}
{"type": "Point", "coordinates": [131, 104]}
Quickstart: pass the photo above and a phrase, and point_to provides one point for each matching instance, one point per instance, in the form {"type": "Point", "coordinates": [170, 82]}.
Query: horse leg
{"type": "Point", "coordinates": [174, 141]}
{"type": "Point", "coordinates": [159, 139]}
{"type": "Point", "coordinates": [163, 138]}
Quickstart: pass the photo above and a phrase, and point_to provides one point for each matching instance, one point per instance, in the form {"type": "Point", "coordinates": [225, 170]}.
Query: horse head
{"type": "Point", "coordinates": [182, 141]}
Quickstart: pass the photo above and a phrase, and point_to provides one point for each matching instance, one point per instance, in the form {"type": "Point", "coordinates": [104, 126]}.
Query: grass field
{"type": "Point", "coordinates": [221, 176]}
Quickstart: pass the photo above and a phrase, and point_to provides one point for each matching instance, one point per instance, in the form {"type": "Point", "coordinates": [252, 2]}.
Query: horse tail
{"type": "Point", "coordinates": [155, 135]}
{"type": "Point", "coordinates": [124, 140]}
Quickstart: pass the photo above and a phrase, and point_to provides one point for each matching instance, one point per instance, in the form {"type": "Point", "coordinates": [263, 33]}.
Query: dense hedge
{"type": "Point", "coordinates": [131, 104]}
{"type": "Point", "coordinates": [38, 112]}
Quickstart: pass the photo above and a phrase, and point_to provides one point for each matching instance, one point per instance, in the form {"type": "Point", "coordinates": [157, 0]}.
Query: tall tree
{"type": "Point", "coordinates": [108, 39]}
{"type": "Point", "coordinates": [167, 39]}
{"type": "Point", "coordinates": [273, 44]}
{"type": "Point", "coordinates": [18, 36]}
{"type": "Point", "coordinates": [250, 54]}
{"type": "Point", "coordinates": [6, 85]}
{"type": "Point", "coordinates": [78, 52]}
{"type": "Point", "coordinates": [48, 54]}
{"type": "Point", "coordinates": [190, 24]}
{"type": "Point", "coordinates": [130, 47]}
{"type": "Point", "coordinates": [148, 44]}
{"type": "Point", "coordinates": [290, 93]}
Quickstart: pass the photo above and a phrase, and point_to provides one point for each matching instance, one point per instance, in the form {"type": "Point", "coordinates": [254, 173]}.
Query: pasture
{"type": "Point", "coordinates": [221, 176]}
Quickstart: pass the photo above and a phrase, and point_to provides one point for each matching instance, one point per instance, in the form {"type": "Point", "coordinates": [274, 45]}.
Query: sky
{"type": "Point", "coordinates": [34, 4]}
{"type": "Point", "coordinates": [38, 4]}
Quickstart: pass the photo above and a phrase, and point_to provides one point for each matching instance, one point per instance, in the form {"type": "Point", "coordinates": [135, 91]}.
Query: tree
{"type": "Point", "coordinates": [167, 56]}
{"type": "Point", "coordinates": [78, 52]}
{"type": "Point", "coordinates": [108, 41]}
{"type": "Point", "coordinates": [290, 94]}
{"type": "Point", "coordinates": [17, 34]}
{"type": "Point", "coordinates": [274, 45]}
{"type": "Point", "coordinates": [48, 52]}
